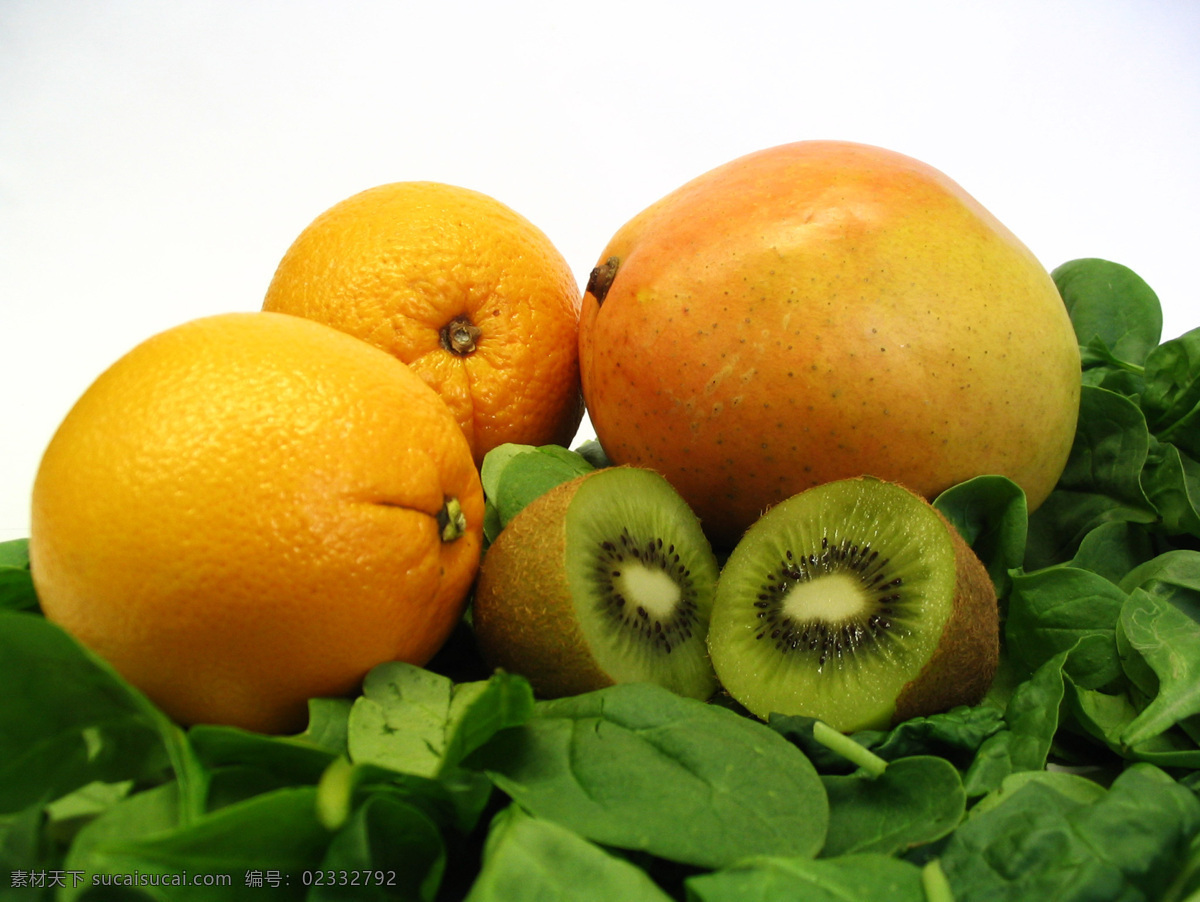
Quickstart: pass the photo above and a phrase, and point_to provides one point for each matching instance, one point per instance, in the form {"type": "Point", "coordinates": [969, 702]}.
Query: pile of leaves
{"type": "Point", "coordinates": [1076, 779]}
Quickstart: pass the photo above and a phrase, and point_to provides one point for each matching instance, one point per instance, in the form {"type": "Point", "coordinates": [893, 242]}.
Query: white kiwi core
{"type": "Point", "coordinates": [832, 598]}
{"type": "Point", "coordinates": [650, 588]}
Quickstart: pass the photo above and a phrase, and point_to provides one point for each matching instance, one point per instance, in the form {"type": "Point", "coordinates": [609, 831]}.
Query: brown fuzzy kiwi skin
{"type": "Point", "coordinates": [523, 615]}
{"type": "Point", "coordinates": [965, 662]}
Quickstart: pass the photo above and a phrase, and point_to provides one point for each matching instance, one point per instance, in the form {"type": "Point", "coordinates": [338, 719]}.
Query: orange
{"type": "Point", "coordinates": [251, 509]}
{"type": "Point", "coordinates": [467, 292]}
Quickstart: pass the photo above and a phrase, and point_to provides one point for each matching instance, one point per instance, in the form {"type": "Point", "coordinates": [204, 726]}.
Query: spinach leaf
{"type": "Point", "coordinates": [1101, 482]}
{"type": "Point", "coordinates": [1032, 720]}
{"type": "Point", "coordinates": [68, 719]}
{"type": "Point", "coordinates": [1173, 576]}
{"type": "Point", "coordinates": [914, 801]}
{"type": "Point", "coordinates": [1107, 717]}
{"type": "Point", "coordinates": [1171, 398]}
{"type": "Point", "coordinates": [22, 844]}
{"type": "Point", "coordinates": [1039, 843]}
{"type": "Point", "coordinates": [1116, 315]}
{"type": "Point", "coordinates": [16, 583]}
{"type": "Point", "coordinates": [1186, 885]}
{"type": "Point", "coordinates": [513, 475]}
{"type": "Point", "coordinates": [388, 849]}
{"type": "Point", "coordinates": [1113, 549]}
{"type": "Point", "coordinates": [530, 858]}
{"type": "Point", "coordinates": [454, 803]}
{"type": "Point", "coordinates": [1171, 479]}
{"type": "Point", "coordinates": [292, 760]}
{"type": "Point", "coordinates": [328, 725]}
{"type": "Point", "coordinates": [1073, 786]}
{"type": "Point", "coordinates": [593, 452]}
{"type": "Point", "coordinates": [276, 831]}
{"type": "Point", "coordinates": [151, 812]}
{"type": "Point", "coordinates": [1063, 609]}
{"type": "Point", "coordinates": [415, 721]}
{"type": "Point", "coordinates": [15, 554]}
{"type": "Point", "coordinates": [867, 877]}
{"type": "Point", "coordinates": [990, 514]}
{"type": "Point", "coordinates": [955, 735]}
{"type": "Point", "coordinates": [1168, 641]}
{"type": "Point", "coordinates": [637, 767]}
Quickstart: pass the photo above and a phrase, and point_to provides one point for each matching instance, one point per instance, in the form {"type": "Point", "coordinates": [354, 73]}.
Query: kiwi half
{"type": "Point", "coordinates": [607, 578]}
{"type": "Point", "coordinates": [855, 602]}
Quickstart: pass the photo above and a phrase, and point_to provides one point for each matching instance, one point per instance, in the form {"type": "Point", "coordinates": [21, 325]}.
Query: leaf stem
{"type": "Point", "coordinates": [192, 777]}
{"type": "Point", "coordinates": [335, 791]}
{"type": "Point", "coordinates": [849, 749]}
{"type": "Point", "coordinates": [935, 884]}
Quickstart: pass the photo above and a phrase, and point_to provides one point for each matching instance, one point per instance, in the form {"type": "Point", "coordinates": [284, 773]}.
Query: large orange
{"type": "Point", "coordinates": [467, 292]}
{"type": "Point", "coordinates": [818, 311]}
{"type": "Point", "coordinates": [249, 510]}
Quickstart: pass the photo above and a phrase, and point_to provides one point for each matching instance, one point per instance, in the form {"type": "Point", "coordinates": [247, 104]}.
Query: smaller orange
{"type": "Point", "coordinates": [467, 292]}
{"type": "Point", "coordinates": [250, 510]}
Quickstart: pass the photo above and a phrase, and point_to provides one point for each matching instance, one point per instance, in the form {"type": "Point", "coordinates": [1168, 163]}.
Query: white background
{"type": "Point", "coordinates": [157, 158]}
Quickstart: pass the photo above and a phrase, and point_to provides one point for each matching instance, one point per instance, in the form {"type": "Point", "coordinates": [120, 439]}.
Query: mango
{"type": "Point", "coordinates": [823, 310]}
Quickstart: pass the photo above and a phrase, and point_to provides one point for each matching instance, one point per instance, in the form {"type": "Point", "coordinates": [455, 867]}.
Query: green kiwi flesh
{"type": "Point", "coordinates": [605, 579]}
{"type": "Point", "coordinates": [856, 603]}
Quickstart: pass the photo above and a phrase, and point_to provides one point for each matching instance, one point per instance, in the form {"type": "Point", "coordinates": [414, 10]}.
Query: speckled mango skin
{"type": "Point", "coordinates": [823, 310]}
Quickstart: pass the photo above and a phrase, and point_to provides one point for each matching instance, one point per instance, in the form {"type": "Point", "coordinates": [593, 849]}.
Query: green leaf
{"type": "Point", "coordinates": [22, 847]}
{"type": "Point", "coordinates": [388, 849]}
{"type": "Point", "coordinates": [1171, 480]}
{"type": "Point", "coordinates": [15, 553]}
{"type": "Point", "coordinates": [514, 475]}
{"type": "Point", "coordinates": [866, 877]}
{"type": "Point", "coordinates": [1113, 549]}
{"type": "Point", "coordinates": [328, 724]}
{"type": "Point", "coordinates": [530, 858]}
{"type": "Point", "coordinates": [914, 801]}
{"type": "Point", "coordinates": [1032, 721]}
{"type": "Point", "coordinates": [990, 514]}
{"type": "Point", "coordinates": [637, 767]}
{"type": "Point", "coordinates": [1186, 886]}
{"type": "Point", "coordinates": [67, 718]}
{"type": "Point", "coordinates": [593, 452]}
{"type": "Point", "coordinates": [1112, 309]}
{"type": "Point", "coordinates": [1073, 786]}
{"type": "Point", "coordinates": [1171, 397]}
{"type": "Point", "coordinates": [415, 721]}
{"type": "Point", "coordinates": [1063, 609]}
{"type": "Point", "coordinates": [1107, 717]}
{"type": "Point", "coordinates": [16, 583]}
{"type": "Point", "coordinates": [494, 463]}
{"type": "Point", "coordinates": [276, 831]}
{"type": "Point", "coordinates": [293, 761]}
{"type": "Point", "coordinates": [152, 812]}
{"type": "Point", "coordinates": [1168, 640]}
{"type": "Point", "coordinates": [1101, 482]}
{"type": "Point", "coordinates": [1173, 576]}
{"type": "Point", "coordinates": [453, 803]}
{"type": "Point", "coordinates": [955, 735]}
{"type": "Point", "coordinates": [1120, 380]}
{"type": "Point", "coordinates": [1040, 843]}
